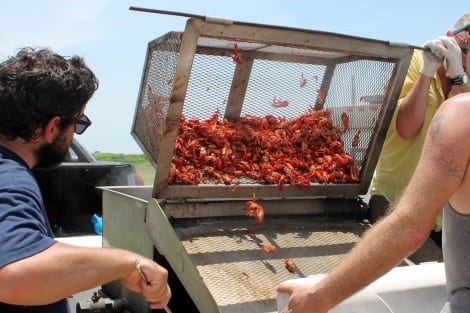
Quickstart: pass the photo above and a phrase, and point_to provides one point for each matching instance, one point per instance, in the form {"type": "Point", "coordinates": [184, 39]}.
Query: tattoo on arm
{"type": "Point", "coordinates": [435, 126]}
{"type": "Point", "coordinates": [441, 152]}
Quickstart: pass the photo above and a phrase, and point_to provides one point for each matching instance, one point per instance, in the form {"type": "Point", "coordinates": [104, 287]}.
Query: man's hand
{"type": "Point", "coordinates": [302, 297]}
{"type": "Point", "coordinates": [150, 279]}
{"type": "Point", "coordinates": [450, 50]}
{"type": "Point", "coordinates": [432, 61]}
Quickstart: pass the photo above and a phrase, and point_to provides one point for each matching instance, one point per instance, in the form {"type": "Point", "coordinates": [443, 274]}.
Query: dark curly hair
{"type": "Point", "coordinates": [36, 85]}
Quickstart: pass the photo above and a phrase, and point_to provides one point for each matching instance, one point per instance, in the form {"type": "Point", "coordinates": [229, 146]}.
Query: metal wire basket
{"type": "Point", "coordinates": [244, 69]}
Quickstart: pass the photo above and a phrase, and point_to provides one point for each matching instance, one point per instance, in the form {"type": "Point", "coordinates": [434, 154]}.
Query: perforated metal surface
{"type": "Point", "coordinates": [195, 74]}
{"type": "Point", "coordinates": [150, 114]}
{"type": "Point", "coordinates": [241, 278]}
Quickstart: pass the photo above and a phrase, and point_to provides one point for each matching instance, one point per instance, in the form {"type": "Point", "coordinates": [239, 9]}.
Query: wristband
{"type": "Point", "coordinates": [459, 80]}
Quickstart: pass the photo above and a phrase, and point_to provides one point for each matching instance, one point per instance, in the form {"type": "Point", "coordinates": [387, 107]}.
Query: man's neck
{"type": "Point", "coordinates": [24, 150]}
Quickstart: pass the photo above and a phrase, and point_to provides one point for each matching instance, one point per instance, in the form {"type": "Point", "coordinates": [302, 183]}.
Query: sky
{"type": "Point", "coordinates": [113, 39]}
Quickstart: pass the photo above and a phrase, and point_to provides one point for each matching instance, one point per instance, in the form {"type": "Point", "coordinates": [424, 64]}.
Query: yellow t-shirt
{"type": "Point", "coordinates": [399, 156]}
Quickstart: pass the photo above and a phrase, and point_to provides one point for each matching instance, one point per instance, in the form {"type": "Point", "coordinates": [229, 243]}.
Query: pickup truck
{"type": "Point", "coordinates": [70, 189]}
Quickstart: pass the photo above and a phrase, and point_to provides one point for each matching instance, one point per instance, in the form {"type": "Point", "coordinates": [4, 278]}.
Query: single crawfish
{"type": "Point", "coordinates": [355, 141]}
{"type": "Point", "coordinates": [290, 265]}
{"type": "Point", "coordinates": [279, 103]}
{"type": "Point", "coordinates": [268, 248]}
{"type": "Point", "coordinates": [236, 54]}
{"type": "Point", "coordinates": [255, 210]}
{"type": "Point", "coordinates": [345, 120]}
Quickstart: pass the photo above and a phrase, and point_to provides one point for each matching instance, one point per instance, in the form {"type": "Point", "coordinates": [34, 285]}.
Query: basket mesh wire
{"type": "Point", "coordinates": [350, 83]}
{"type": "Point", "coordinates": [149, 123]}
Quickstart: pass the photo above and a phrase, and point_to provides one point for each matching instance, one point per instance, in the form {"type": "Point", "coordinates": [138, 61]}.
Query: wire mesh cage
{"type": "Point", "coordinates": [215, 72]}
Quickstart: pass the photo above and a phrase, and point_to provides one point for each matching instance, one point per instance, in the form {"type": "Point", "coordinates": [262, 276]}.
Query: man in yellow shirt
{"type": "Point", "coordinates": [432, 77]}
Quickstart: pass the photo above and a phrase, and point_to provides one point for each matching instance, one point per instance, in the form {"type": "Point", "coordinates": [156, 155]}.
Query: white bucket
{"type": "Point", "coordinates": [408, 289]}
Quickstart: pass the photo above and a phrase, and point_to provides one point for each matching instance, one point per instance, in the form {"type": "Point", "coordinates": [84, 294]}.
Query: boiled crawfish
{"type": "Point", "coordinates": [278, 151]}
{"type": "Point", "coordinates": [268, 248]}
{"type": "Point", "coordinates": [236, 54]}
{"type": "Point", "coordinates": [290, 265]}
{"type": "Point", "coordinates": [255, 210]}
{"type": "Point", "coordinates": [345, 121]}
{"type": "Point", "coordinates": [278, 103]}
{"type": "Point", "coordinates": [355, 141]}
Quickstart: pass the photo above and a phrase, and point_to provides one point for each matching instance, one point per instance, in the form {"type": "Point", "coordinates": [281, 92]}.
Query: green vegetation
{"type": "Point", "coordinates": [142, 165]}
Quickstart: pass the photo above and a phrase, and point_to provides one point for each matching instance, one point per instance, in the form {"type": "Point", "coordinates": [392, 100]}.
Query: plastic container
{"type": "Point", "coordinates": [409, 289]}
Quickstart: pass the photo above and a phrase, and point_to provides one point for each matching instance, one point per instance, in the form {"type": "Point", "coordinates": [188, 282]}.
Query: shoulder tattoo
{"type": "Point", "coordinates": [436, 149]}
{"type": "Point", "coordinates": [435, 127]}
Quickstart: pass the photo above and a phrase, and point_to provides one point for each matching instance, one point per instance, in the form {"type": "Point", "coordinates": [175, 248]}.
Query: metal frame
{"type": "Point", "coordinates": [297, 38]}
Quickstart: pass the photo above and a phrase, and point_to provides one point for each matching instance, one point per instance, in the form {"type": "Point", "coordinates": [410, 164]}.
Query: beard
{"type": "Point", "coordinates": [52, 154]}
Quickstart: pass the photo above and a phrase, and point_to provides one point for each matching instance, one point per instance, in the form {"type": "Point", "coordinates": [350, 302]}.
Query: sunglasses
{"type": "Point", "coordinates": [81, 124]}
{"type": "Point", "coordinates": [463, 41]}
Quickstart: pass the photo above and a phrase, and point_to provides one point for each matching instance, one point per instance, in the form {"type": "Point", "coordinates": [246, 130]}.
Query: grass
{"type": "Point", "coordinates": [142, 165]}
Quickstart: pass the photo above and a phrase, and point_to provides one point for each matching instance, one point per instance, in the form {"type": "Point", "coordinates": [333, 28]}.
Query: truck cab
{"type": "Point", "coordinates": [70, 189]}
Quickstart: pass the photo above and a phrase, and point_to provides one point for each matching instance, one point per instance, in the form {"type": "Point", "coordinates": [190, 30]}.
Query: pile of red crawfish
{"type": "Point", "coordinates": [298, 151]}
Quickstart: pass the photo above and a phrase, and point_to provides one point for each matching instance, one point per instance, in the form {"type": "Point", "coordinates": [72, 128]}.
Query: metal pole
{"type": "Point", "coordinates": [167, 12]}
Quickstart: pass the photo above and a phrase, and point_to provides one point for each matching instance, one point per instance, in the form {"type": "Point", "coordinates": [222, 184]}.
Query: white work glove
{"type": "Point", "coordinates": [450, 50]}
{"type": "Point", "coordinates": [431, 61]}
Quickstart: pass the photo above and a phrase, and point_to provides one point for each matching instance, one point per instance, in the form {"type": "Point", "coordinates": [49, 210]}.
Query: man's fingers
{"type": "Point", "coordinates": [284, 288]}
